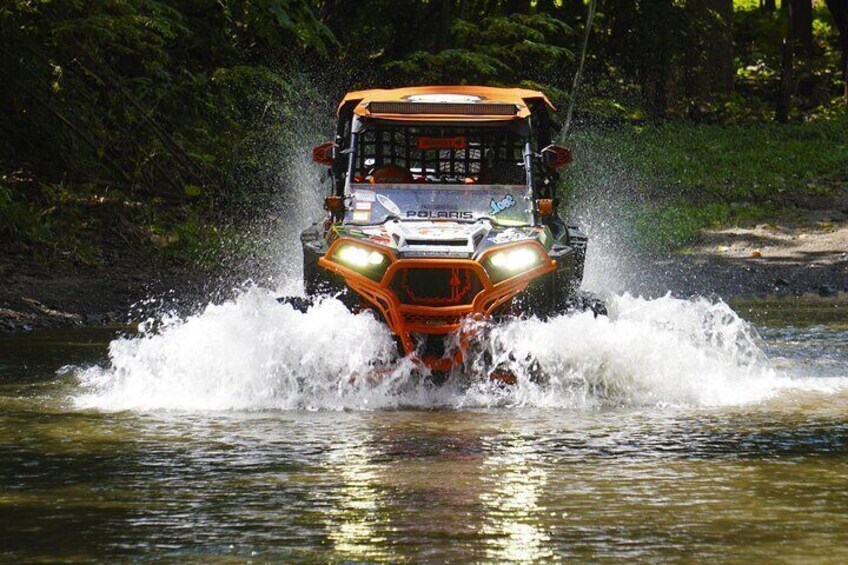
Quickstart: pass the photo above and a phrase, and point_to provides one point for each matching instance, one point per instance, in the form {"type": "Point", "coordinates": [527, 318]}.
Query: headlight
{"type": "Point", "coordinates": [370, 263]}
{"type": "Point", "coordinates": [504, 264]}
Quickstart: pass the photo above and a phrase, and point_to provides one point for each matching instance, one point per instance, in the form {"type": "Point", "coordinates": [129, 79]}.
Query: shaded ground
{"type": "Point", "coordinates": [33, 295]}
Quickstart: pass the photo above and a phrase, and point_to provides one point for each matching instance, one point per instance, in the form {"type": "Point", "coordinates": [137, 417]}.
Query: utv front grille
{"type": "Point", "coordinates": [436, 286]}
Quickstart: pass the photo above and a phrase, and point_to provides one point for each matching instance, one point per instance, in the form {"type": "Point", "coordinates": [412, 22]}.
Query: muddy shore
{"type": "Point", "coordinates": [786, 258]}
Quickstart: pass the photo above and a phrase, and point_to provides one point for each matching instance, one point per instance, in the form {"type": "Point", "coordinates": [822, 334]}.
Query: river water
{"type": "Point", "coordinates": [672, 431]}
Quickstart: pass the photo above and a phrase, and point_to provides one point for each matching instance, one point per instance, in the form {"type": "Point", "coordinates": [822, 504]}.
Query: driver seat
{"type": "Point", "coordinates": [390, 174]}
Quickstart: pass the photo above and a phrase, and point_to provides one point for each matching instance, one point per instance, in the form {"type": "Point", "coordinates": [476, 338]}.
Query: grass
{"type": "Point", "coordinates": [84, 224]}
{"type": "Point", "coordinates": [683, 178]}
{"type": "Point", "coordinates": [740, 163]}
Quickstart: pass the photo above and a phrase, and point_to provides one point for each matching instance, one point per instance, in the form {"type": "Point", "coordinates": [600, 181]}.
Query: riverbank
{"type": "Point", "coordinates": [786, 259]}
{"type": "Point", "coordinates": [36, 295]}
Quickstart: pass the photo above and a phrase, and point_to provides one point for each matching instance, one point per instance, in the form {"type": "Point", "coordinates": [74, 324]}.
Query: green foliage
{"type": "Point", "coordinates": [681, 178]}
{"type": "Point", "coordinates": [742, 162]}
{"type": "Point", "coordinates": [675, 224]}
{"type": "Point", "coordinates": [19, 222]}
{"type": "Point", "coordinates": [511, 50]}
{"type": "Point", "coordinates": [147, 93]}
{"type": "Point", "coordinates": [273, 22]}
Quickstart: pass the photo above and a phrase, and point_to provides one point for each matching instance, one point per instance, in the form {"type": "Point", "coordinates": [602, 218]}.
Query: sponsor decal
{"type": "Point", "coordinates": [388, 204]}
{"type": "Point", "coordinates": [508, 235]}
{"type": "Point", "coordinates": [362, 216]}
{"type": "Point", "coordinates": [374, 231]}
{"type": "Point", "coordinates": [498, 206]}
{"type": "Point", "coordinates": [364, 195]}
{"type": "Point", "coordinates": [451, 254]}
{"type": "Point", "coordinates": [381, 240]}
{"type": "Point", "coordinates": [457, 142]}
{"type": "Point", "coordinates": [439, 206]}
{"type": "Point", "coordinates": [440, 215]}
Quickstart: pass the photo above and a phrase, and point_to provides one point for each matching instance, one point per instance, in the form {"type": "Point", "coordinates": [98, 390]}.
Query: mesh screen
{"type": "Point", "coordinates": [399, 145]}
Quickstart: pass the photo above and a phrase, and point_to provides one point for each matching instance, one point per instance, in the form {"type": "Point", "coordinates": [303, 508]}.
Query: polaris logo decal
{"type": "Point", "coordinates": [504, 203]}
{"type": "Point", "coordinates": [439, 215]}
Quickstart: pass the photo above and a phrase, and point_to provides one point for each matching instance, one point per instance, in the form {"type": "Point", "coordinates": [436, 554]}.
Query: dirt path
{"type": "Point", "coordinates": [792, 256]}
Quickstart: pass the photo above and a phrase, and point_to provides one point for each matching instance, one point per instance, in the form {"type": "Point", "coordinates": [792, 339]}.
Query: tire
{"type": "Point", "coordinates": [299, 303]}
{"type": "Point", "coordinates": [587, 302]}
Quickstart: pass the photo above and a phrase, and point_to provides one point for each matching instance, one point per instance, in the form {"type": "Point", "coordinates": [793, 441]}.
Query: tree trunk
{"type": "Point", "coordinates": [839, 9]}
{"type": "Point", "coordinates": [546, 7]}
{"type": "Point", "coordinates": [655, 57]}
{"type": "Point", "coordinates": [622, 21]}
{"type": "Point", "coordinates": [768, 5]}
{"type": "Point", "coordinates": [445, 20]}
{"type": "Point", "coordinates": [784, 99]}
{"type": "Point", "coordinates": [802, 15]}
{"type": "Point", "coordinates": [720, 57]}
{"type": "Point", "coordinates": [575, 10]}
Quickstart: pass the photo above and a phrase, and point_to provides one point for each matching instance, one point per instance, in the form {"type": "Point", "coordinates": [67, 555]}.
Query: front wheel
{"type": "Point", "coordinates": [582, 301]}
{"type": "Point", "coordinates": [587, 302]}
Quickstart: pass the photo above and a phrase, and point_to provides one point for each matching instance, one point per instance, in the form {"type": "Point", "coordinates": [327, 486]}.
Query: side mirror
{"type": "Point", "coordinates": [555, 156]}
{"type": "Point", "coordinates": [325, 154]}
{"type": "Point", "coordinates": [334, 204]}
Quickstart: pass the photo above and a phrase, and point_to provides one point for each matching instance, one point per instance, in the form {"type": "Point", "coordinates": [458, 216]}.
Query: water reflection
{"type": "Point", "coordinates": [513, 526]}
{"type": "Point", "coordinates": [355, 521]}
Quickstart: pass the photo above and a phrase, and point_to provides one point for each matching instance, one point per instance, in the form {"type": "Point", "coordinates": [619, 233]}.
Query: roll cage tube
{"type": "Point", "coordinates": [344, 169]}
{"type": "Point", "coordinates": [355, 127]}
{"type": "Point", "coordinates": [544, 128]}
{"type": "Point", "coordinates": [528, 166]}
{"type": "Point", "coordinates": [343, 125]}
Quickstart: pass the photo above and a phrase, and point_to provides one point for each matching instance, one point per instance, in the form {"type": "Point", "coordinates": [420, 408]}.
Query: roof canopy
{"type": "Point", "coordinates": [445, 103]}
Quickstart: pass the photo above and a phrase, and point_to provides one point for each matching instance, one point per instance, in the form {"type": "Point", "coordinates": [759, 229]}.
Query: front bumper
{"type": "Point", "coordinates": [471, 292]}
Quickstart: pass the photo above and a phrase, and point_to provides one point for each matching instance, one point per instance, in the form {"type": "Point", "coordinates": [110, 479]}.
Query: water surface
{"type": "Point", "coordinates": [728, 445]}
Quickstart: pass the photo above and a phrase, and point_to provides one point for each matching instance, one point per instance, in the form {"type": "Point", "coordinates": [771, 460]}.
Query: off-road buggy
{"type": "Point", "coordinates": [443, 208]}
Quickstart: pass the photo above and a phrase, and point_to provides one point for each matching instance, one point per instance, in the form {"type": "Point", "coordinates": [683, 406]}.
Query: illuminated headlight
{"type": "Point", "coordinates": [366, 261]}
{"type": "Point", "coordinates": [509, 262]}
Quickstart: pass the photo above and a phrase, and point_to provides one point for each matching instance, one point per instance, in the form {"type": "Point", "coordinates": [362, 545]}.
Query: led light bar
{"type": "Point", "coordinates": [442, 108]}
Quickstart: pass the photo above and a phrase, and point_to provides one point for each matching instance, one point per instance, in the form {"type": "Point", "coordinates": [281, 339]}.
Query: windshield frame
{"type": "Point", "coordinates": [522, 128]}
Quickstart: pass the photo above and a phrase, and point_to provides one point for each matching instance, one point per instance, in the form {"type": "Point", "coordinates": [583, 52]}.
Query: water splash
{"type": "Point", "coordinates": [254, 353]}
{"type": "Point", "coordinates": [603, 201]}
{"type": "Point", "coordinates": [248, 353]}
